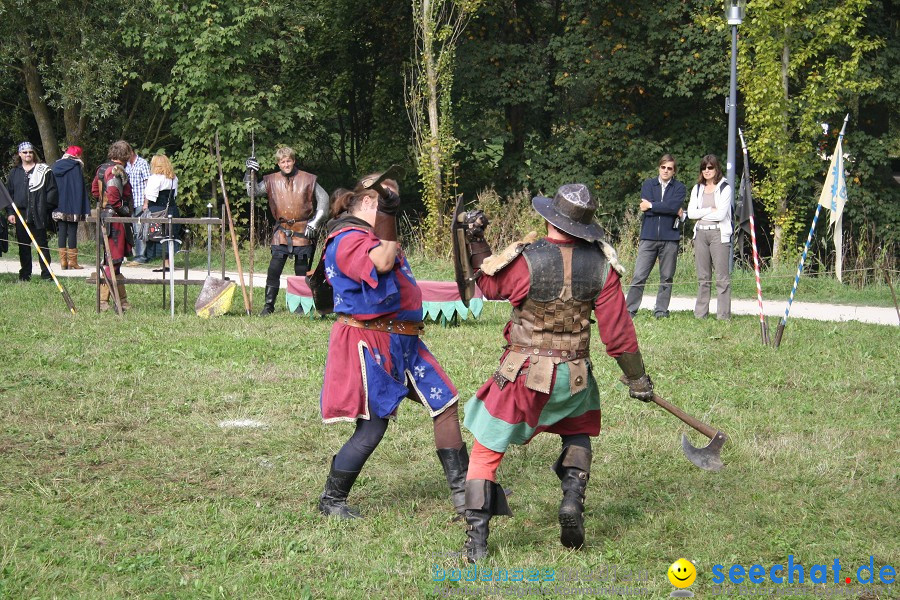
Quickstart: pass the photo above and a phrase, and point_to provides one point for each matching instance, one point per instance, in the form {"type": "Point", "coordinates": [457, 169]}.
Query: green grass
{"type": "Point", "coordinates": [116, 480]}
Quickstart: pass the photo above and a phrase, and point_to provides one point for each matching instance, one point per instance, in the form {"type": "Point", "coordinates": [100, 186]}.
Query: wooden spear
{"type": "Point", "coordinates": [234, 244]}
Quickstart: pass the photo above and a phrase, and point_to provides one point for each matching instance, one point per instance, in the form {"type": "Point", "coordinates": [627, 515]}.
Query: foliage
{"type": "Point", "coordinates": [800, 66]}
{"type": "Point", "coordinates": [437, 25]}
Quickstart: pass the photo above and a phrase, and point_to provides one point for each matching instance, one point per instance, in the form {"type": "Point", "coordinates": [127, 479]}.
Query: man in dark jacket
{"type": "Point", "coordinates": [661, 200]}
{"type": "Point", "coordinates": [33, 188]}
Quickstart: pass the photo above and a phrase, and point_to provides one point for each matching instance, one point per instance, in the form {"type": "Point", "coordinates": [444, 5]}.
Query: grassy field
{"type": "Point", "coordinates": [117, 480]}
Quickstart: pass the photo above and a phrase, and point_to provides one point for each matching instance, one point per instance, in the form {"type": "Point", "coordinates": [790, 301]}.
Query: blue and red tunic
{"type": "Point", "coordinates": [372, 371]}
{"type": "Point", "coordinates": [514, 414]}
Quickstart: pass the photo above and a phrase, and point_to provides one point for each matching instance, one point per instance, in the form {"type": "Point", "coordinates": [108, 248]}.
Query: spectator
{"type": "Point", "coordinates": [138, 172]}
{"type": "Point", "coordinates": [162, 188]}
{"type": "Point", "coordinates": [33, 188]}
{"type": "Point", "coordinates": [74, 205]}
{"type": "Point", "coordinates": [710, 205]}
{"type": "Point", "coordinates": [661, 200]}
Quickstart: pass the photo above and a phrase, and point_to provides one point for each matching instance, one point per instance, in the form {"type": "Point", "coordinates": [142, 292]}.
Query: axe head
{"type": "Point", "coordinates": [708, 458]}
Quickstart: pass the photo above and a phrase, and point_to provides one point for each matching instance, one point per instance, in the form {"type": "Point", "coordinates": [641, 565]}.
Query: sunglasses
{"type": "Point", "coordinates": [667, 168]}
{"type": "Point", "coordinates": [26, 152]}
{"type": "Point", "coordinates": [708, 168]}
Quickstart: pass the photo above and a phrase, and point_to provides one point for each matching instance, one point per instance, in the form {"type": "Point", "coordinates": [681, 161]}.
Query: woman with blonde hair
{"type": "Point", "coordinates": [162, 187]}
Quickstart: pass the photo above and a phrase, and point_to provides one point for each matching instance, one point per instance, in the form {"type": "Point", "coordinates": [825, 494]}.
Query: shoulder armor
{"type": "Point", "coordinates": [495, 263]}
{"type": "Point", "coordinates": [612, 257]}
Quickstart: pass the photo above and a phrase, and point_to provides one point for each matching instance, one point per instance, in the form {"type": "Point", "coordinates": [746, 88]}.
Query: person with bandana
{"type": "Point", "coordinates": [74, 205]}
{"type": "Point", "coordinates": [33, 188]}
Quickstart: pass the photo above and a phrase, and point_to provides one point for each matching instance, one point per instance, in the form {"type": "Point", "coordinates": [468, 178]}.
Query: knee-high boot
{"type": "Point", "coordinates": [333, 501]}
{"type": "Point", "coordinates": [271, 296]}
{"type": "Point", "coordinates": [456, 466]}
{"type": "Point", "coordinates": [484, 499]}
{"type": "Point", "coordinates": [73, 259]}
{"type": "Point", "coordinates": [123, 296]}
{"type": "Point", "coordinates": [63, 258]}
{"type": "Point", "coordinates": [573, 467]}
{"type": "Point", "coordinates": [104, 297]}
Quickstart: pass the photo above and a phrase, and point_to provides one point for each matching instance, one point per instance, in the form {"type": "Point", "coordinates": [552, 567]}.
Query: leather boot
{"type": "Point", "coordinates": [456, 466]}
{"type": "Point", "coordinates": [104, 297]}
{"type": "Point", "coordinates": [271, 295]}
{"type": "Point", "coordinates": [123, 296]}
{"type": "Point", "coordinates": [573, 467]}
{"type": "Point", "coordinates": [333, 502]}
{"type": "Point", "coordinates": [73, 259]}
{"type": "Point", "coordinates": [484, 499]}
{"type": "Point", "coordinates": [63, 258]}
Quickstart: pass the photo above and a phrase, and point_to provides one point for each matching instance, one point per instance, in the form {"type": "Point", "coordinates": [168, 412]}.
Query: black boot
{"type": "Point", "coordinates": [573, 467]}
{"type": "Point", "coordinates": [456, 466]}
{"type": "Point", "coordinates": [333, 502]}
{"type": "Point", "coordinates": [484, 499]}
{"type": "Point", "coordinates": [271, 295]}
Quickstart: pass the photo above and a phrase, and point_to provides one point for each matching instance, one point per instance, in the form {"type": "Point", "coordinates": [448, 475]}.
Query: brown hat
{"type": "Point", "coordinates": [571, 210]}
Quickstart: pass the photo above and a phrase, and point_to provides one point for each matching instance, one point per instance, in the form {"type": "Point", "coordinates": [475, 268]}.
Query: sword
{"type": "Point", "coordinates": [208, 239]}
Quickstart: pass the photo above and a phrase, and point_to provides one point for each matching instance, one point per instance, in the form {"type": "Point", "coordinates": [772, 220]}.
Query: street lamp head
{"type": "Point", "coordinates": [735, 11]}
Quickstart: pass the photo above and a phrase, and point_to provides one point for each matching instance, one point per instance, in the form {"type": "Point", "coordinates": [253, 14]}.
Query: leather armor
{"type": "Point", "coordinates": [566, 280]}
{"type": "Point", "coordinates": [291, 200]}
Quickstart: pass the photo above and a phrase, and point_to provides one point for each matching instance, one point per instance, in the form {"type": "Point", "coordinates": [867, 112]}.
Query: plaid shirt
{"type": "Point", "coordinates": [138, 174]}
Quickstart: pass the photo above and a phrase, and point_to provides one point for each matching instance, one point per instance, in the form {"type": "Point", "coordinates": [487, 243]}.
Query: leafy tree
{"type": "Point", "coordinates": [800, 65]}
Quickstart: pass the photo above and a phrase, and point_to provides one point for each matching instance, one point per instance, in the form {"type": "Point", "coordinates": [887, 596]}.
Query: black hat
{"type": "Point", "coordinates": [571, 210]}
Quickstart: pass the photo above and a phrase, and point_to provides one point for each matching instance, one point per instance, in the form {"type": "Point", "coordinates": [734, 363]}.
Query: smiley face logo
{"type": "Point", "coordinates": [682, 573]}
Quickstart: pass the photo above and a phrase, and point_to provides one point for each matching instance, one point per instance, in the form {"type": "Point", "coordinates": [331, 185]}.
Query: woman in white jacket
{"type": "Point", "coordinates": [710, 206]}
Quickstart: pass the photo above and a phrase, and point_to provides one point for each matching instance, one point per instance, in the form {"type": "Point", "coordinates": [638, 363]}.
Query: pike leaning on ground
{"type": "Point", "coordinates": [544, 381]}
{"type": "Point", "coordinates": [297, 216]}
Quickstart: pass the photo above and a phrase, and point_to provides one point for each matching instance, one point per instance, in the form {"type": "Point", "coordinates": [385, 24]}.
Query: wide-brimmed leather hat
{"type": "Point", "coordinates": [571, 210]}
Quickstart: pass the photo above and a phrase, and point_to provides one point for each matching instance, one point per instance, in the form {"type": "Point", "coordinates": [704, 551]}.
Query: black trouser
{"type": "Point", "coordinates": [302, 262]}
{"type": "Point", "coordinates": [40, 235]}
{"type": "Point", "coordinates": [67, 234]}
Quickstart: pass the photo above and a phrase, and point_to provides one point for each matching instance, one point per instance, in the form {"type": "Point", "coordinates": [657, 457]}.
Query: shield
{"type": "Point", "coordinates": [462, 264]}
{"type": "Point", "coordinates": [215, 297]}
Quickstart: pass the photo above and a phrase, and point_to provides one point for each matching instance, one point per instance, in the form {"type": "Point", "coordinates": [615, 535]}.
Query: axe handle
{"type": "Point", "coordinates": [696, 424]}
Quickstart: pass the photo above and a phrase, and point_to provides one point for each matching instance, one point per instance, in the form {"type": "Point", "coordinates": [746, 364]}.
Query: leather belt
{"type": "Point", "coordinates": [538, 351]}
{"type": "Point", "coordinates": [707, 227]}
{"type": "Point", "coordinates": [386, 325]}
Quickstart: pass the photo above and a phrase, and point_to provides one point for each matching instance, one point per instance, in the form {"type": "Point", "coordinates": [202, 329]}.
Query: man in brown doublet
{"type": "Point", "coordinates": [298, 205]}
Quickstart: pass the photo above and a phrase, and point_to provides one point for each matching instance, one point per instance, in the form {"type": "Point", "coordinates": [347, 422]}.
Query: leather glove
{"type": "Point", "coordinates": [389, 203]}
{"type": "Point", "coordinates": [251, 164]}
{"type": "Point", "coordinates": [641, 388]}
{"type": "Point", "coordinates": [476, 222]}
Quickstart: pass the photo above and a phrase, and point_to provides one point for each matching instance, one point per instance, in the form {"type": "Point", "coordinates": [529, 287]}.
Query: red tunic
{"type": "Point", "coordinates": [118, 244]}
{"type": "Point", "coordinates": [517, 404]}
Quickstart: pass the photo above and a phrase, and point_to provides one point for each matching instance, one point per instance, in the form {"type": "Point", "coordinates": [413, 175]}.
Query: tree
{"type": "Point", "coordinates": [799, 65]}
{"type": "Point", "coordinates": [437, 25]}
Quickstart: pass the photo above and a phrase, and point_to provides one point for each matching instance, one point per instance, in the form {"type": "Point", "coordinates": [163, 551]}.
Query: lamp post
{"type": "Point", "coordinates": [734, 15]}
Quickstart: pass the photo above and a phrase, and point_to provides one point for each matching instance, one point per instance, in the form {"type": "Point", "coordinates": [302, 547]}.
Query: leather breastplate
{"type": "Point", "coordinates": [566, 280]}
{"type": "Point", "coordinates": [291, 203]}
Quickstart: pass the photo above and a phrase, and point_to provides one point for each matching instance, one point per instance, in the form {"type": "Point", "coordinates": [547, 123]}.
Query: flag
{"type": "Point", "coordinates": [833, 197]}
{"type": "Point", "coordinates": [745, 206]}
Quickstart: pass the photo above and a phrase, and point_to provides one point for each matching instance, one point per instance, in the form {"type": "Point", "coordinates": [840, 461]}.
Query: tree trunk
{"type": "Point", "coordinates": [778, 240]}
{"type": "Point", "coordinates": [35, 90]}
{"type": "Point", "coordinates": [75, 124]}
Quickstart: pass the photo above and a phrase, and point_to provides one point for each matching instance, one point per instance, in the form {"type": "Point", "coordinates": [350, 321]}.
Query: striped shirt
{"type": "Point", "coordinates": [138, 174]}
